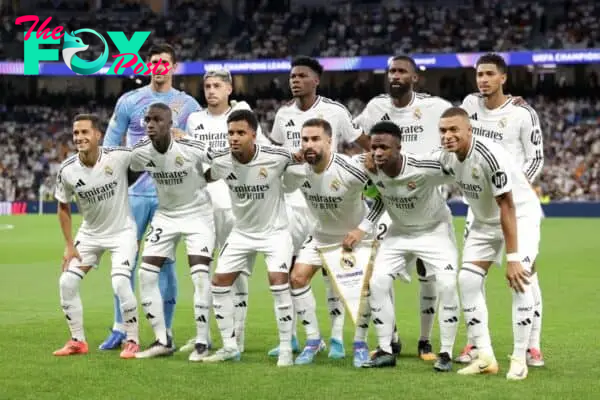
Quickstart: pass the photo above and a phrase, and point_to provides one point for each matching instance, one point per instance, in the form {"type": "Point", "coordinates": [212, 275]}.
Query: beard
{"type": "Point", "coordinates": [397, 90]}
{"type": "Point", "coordinates": [312, 157]}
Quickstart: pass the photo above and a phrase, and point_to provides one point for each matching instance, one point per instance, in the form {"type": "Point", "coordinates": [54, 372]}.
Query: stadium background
{"type": "Point", "coordinates": [255, 39]}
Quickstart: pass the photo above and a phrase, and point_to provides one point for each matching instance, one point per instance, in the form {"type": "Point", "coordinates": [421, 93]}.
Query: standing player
{"type": "Point", "coordinates": [128, 119]}
{"type": "Point", "coordinates": [420, 217]}
{"type": "Point", "coordinates": [507, 213]}
{"type": "Point", "coordinates": [210, 126]}
{"type": "Point", "coordinates": [332, 185]}
{"type": "Point", "coordinates": [516, 127]}
{"type": "Point", "coordinates": [98, 177]}
{"type": "Point", "coordinates": [253, 174]}
{"type": "Point", "coordinates": [304, 79]}
{"type": "Point", "coordinates": [184, 210]}
{"type": "Point", "coordinates": [417, 115]}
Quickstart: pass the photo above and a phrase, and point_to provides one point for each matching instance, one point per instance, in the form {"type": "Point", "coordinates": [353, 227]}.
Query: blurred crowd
{"type": "Point", "coordinates": [34, 139]}
{"type": "Point", "coordinates": [250, 29]}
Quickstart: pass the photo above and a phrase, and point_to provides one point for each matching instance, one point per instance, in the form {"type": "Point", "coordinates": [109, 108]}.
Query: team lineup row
{"type": "Point", "coordinates": [330, 186]}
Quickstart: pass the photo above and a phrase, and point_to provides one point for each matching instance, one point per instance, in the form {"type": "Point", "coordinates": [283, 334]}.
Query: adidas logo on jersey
{"type": "Point", "coordinates": [80, 183]}
{"type": "Point", "coordinates": [386, 117]}
{"type": "Point", "coordinates": [290, 123]}
{"type": "Point", "coordinates": [201, 126]}
{"type": "Point", "coordinates": [151, 164]}
{"type": "Point", "coordinates": [231, 177]}
{"type": "Point", "coordinates": [126, 263]}
{"type": "Point", "coordinates": [306, 185]}
{"type": "Point", "coordinates": [474, 117]}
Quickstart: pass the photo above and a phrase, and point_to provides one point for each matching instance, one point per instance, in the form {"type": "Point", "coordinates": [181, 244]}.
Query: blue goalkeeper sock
{"type": "Point", "coordinates": [167, 281]}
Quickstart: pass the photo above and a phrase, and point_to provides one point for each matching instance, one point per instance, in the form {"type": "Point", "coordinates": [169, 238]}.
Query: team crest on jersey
{"type": "Point", "coordinates": [417, 114]}
{"type": "Point", "coordinates": [347, 261]}
{"type": "Point", "coordinates": [263, 173]}
{"type": "Point", "coordinates": [108, 171]}
{"type": "Point", "coordinates": [475, 173]}
{"type": "Point", "coordinates": [502, 123]}
{"type": "Point", "coordinates": [412, 185]}
{"type": "Point", "coordinates": [335, 185]}
{"type": "Point", "coordinates": [179, 161]}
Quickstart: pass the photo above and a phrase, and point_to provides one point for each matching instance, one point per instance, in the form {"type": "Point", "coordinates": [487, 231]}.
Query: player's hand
{"type": "Point", "coordinates": [352, 239]}
{"type": "Point", "coordinates": [70, 253]}
{"type": "Point", "coordinates": [298, 157]}
{"type": "Point", "coordinates": [369, 163]}
{"type": "Point", "coordinates": [517, 277]}
{"type": "Point", "coordinates": [519, 101]}
{"type": "Point", "coordinates": [177, 133]}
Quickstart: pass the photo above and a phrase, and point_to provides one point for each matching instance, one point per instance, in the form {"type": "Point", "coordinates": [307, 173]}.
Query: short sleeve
{"type": "Point", "coordinates": [277, 133]}
{"type": "Point", "coordinates": [349, 131]}
{"type": "Point", "coordinates": [137, 160]}
{"type": "Point", "coordinates": [63, 192]}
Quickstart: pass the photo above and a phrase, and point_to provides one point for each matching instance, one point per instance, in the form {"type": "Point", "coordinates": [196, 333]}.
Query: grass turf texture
{"type": "Point", "coordinates": [33, 326]}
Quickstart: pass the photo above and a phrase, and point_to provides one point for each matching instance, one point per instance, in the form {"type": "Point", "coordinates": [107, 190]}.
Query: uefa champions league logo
{"type": "Point", "coordinates": [128, 56]}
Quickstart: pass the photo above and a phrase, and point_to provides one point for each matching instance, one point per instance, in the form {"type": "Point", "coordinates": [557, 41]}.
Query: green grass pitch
{"type": "Point", "coordinates": [33, 326]}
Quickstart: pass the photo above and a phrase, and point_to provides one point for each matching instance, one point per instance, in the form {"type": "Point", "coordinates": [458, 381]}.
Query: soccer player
{"type": "Point", "coordinates": [304, 79]}
{"type": "Point", "coordinates": [417, 115]}
{"type": "Point", "coordinates": [253, 174]}
{"type": "Point", "coordinates": [506, 212]}
{"type": "Point", "coordinates": [184, 210]}
{"type": "Point", "coordinates": [99, 178]}
{"type": "Point", "coordinates": [210, 127]}
{"type": "Point", "coordinates": [516, 127]}
{"type": "Point", "coordinates": [420, 217]}
{"type": "Point", "coordinates": [128, 120]}
{"type": "Point", "coordinates": [332, 185]}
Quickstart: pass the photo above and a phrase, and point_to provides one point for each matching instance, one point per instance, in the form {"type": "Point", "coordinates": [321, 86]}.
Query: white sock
{"type": "Point", "coordinates": [522, 318]}
{"type": "Point", "coordinates": [470, 281]}
{"type": "Point", "coordinates": [395, 337]}
{"type": "Point", "coordinates": [121, 283]}
{"type": "Point", "coordinates": [202, 301]}
{"type": "Point", "coordinates": [362, 325]}
{"type": "Point", "coordinates": [536, 327]}
{"type": "Point", "coordinates": [70, 301]}
{"type": "Point", "coordinates": [224, 314]}
{"type": "Point", "coordinates": [240, 289]}
{"type": "Point", "coordinates": [119, 326]}
{"type": "Point", "coordinates": [428, 304]}
{"type": "Point", "coordinates": [152, 301]}
{"type": "Point", "coordinates": [448, 311]}
{"type": "Point", "coordinates": [306, 310]}
{"type": "Point", "coordinates": [382, 309]}
{"type": "Point", "coordinates": [284, 313]}
{"type": "Point", "coordinates": [336, 310]}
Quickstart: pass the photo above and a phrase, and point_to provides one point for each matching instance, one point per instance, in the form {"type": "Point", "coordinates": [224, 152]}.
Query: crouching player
{"type": "Point", "coordinates": [99, 178]}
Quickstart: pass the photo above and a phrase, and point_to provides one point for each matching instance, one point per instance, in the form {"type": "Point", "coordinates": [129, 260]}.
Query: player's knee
{"type": "Point", "coordinates": [446, 283]}
{"type": "Point", "coordinates": [299, 279]}
{"type": "Point", "coordinates": [470, 278]}
{"type": "Point", "coordinates": [69, 283]}
{"type": "Point", "coordinates": [121, 284]}
{"type": "Point", "coordinates": [241, 285]}
{"type": "Point", "coordinates": [148, 275]}
{"type": "Point", "coordinates": [380, 283]}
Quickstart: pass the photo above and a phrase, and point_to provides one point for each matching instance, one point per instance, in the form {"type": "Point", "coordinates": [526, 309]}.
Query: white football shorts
{"type": "Point", "coordinates": [123, 248]}
{"type": "Point", "coordinates": [198, 231]}
{"type": "Point", "coordinates": [485, 242]}
{"type": "Point", "coordinates": [299, 226]}
{"type": "Point", "coordinates": [223, 224]}
{"type": "Point", "coordinates": [239, 252]}
{"type": "Point", "coordinates": [436, 248]}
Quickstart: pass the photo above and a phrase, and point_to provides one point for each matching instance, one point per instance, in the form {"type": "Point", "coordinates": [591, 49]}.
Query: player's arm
{"type": "Point", "coordinates": [533, 145]}
{"type": "Point", "coordinates": [351, 132]}
{"type": "Point", "coordinates": [136, 166]}
{"type": "Point", "coordinates": [293, 177]}
{"type": "Point", "coordinates": [431, 167]}
{"type": "Point", "coordinates": [501, 185]}
{"type": "Point", "coordinates": [277, 136]}
{"type": "Point", "coordinates": [63, 194]}
{"type": "Point", "coordinates": [119, 122]}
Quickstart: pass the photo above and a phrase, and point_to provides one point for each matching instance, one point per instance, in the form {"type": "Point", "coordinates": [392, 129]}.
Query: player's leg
{"type": "Point", "coordinates": [160, 245]}
{"type": "Point", "coordinates": [199, 242]}
{"type": "Point", "coordinates": [428, 301]}
{"type": "Point", "coordinates": [70, 298]}
{"type": "Point", "coordinates": [523, 303]}
{"type": "Point", "coordinates": [534, 353]}
{"type": "Point", "coordinates": [278, 255]}
{"type": "Point", "coordinates": [336, 314]}
{"type": "Point", "coordinates": [390, 263]}
{"type": "Point", "coordinates": [233, 260]}
{"type": "Point", "coordinates": [141, 210]}
{"type": "Point", "coordinates": [482, 246]}
{"type": "Point", "coordinates": [304, 299]}
{"type": "Point", "coordinates": [123, 252]}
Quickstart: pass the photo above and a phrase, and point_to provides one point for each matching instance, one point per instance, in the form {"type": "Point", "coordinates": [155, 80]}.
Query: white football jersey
{"type": "Point", "coordinates": [412, 199]}
{"type": "Point", "coordinates": [487, 172]}
{"type": "Point", "coordinates": [101, 191]}
{"type": "Point", "coordinates": [212, 130]}
{"type": "Point", "coordinates": [255, 188]}
{"type": "Point", "coordinates": [178, 175]}
{"type": "Point", "coordinates": [334, 197]}
{"type": "Point", "coordinates": [516, 128]}
{"type": "Point", "coordinates": [418, 121]}
{"type": "Point", "coordinates": [289, 120]}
